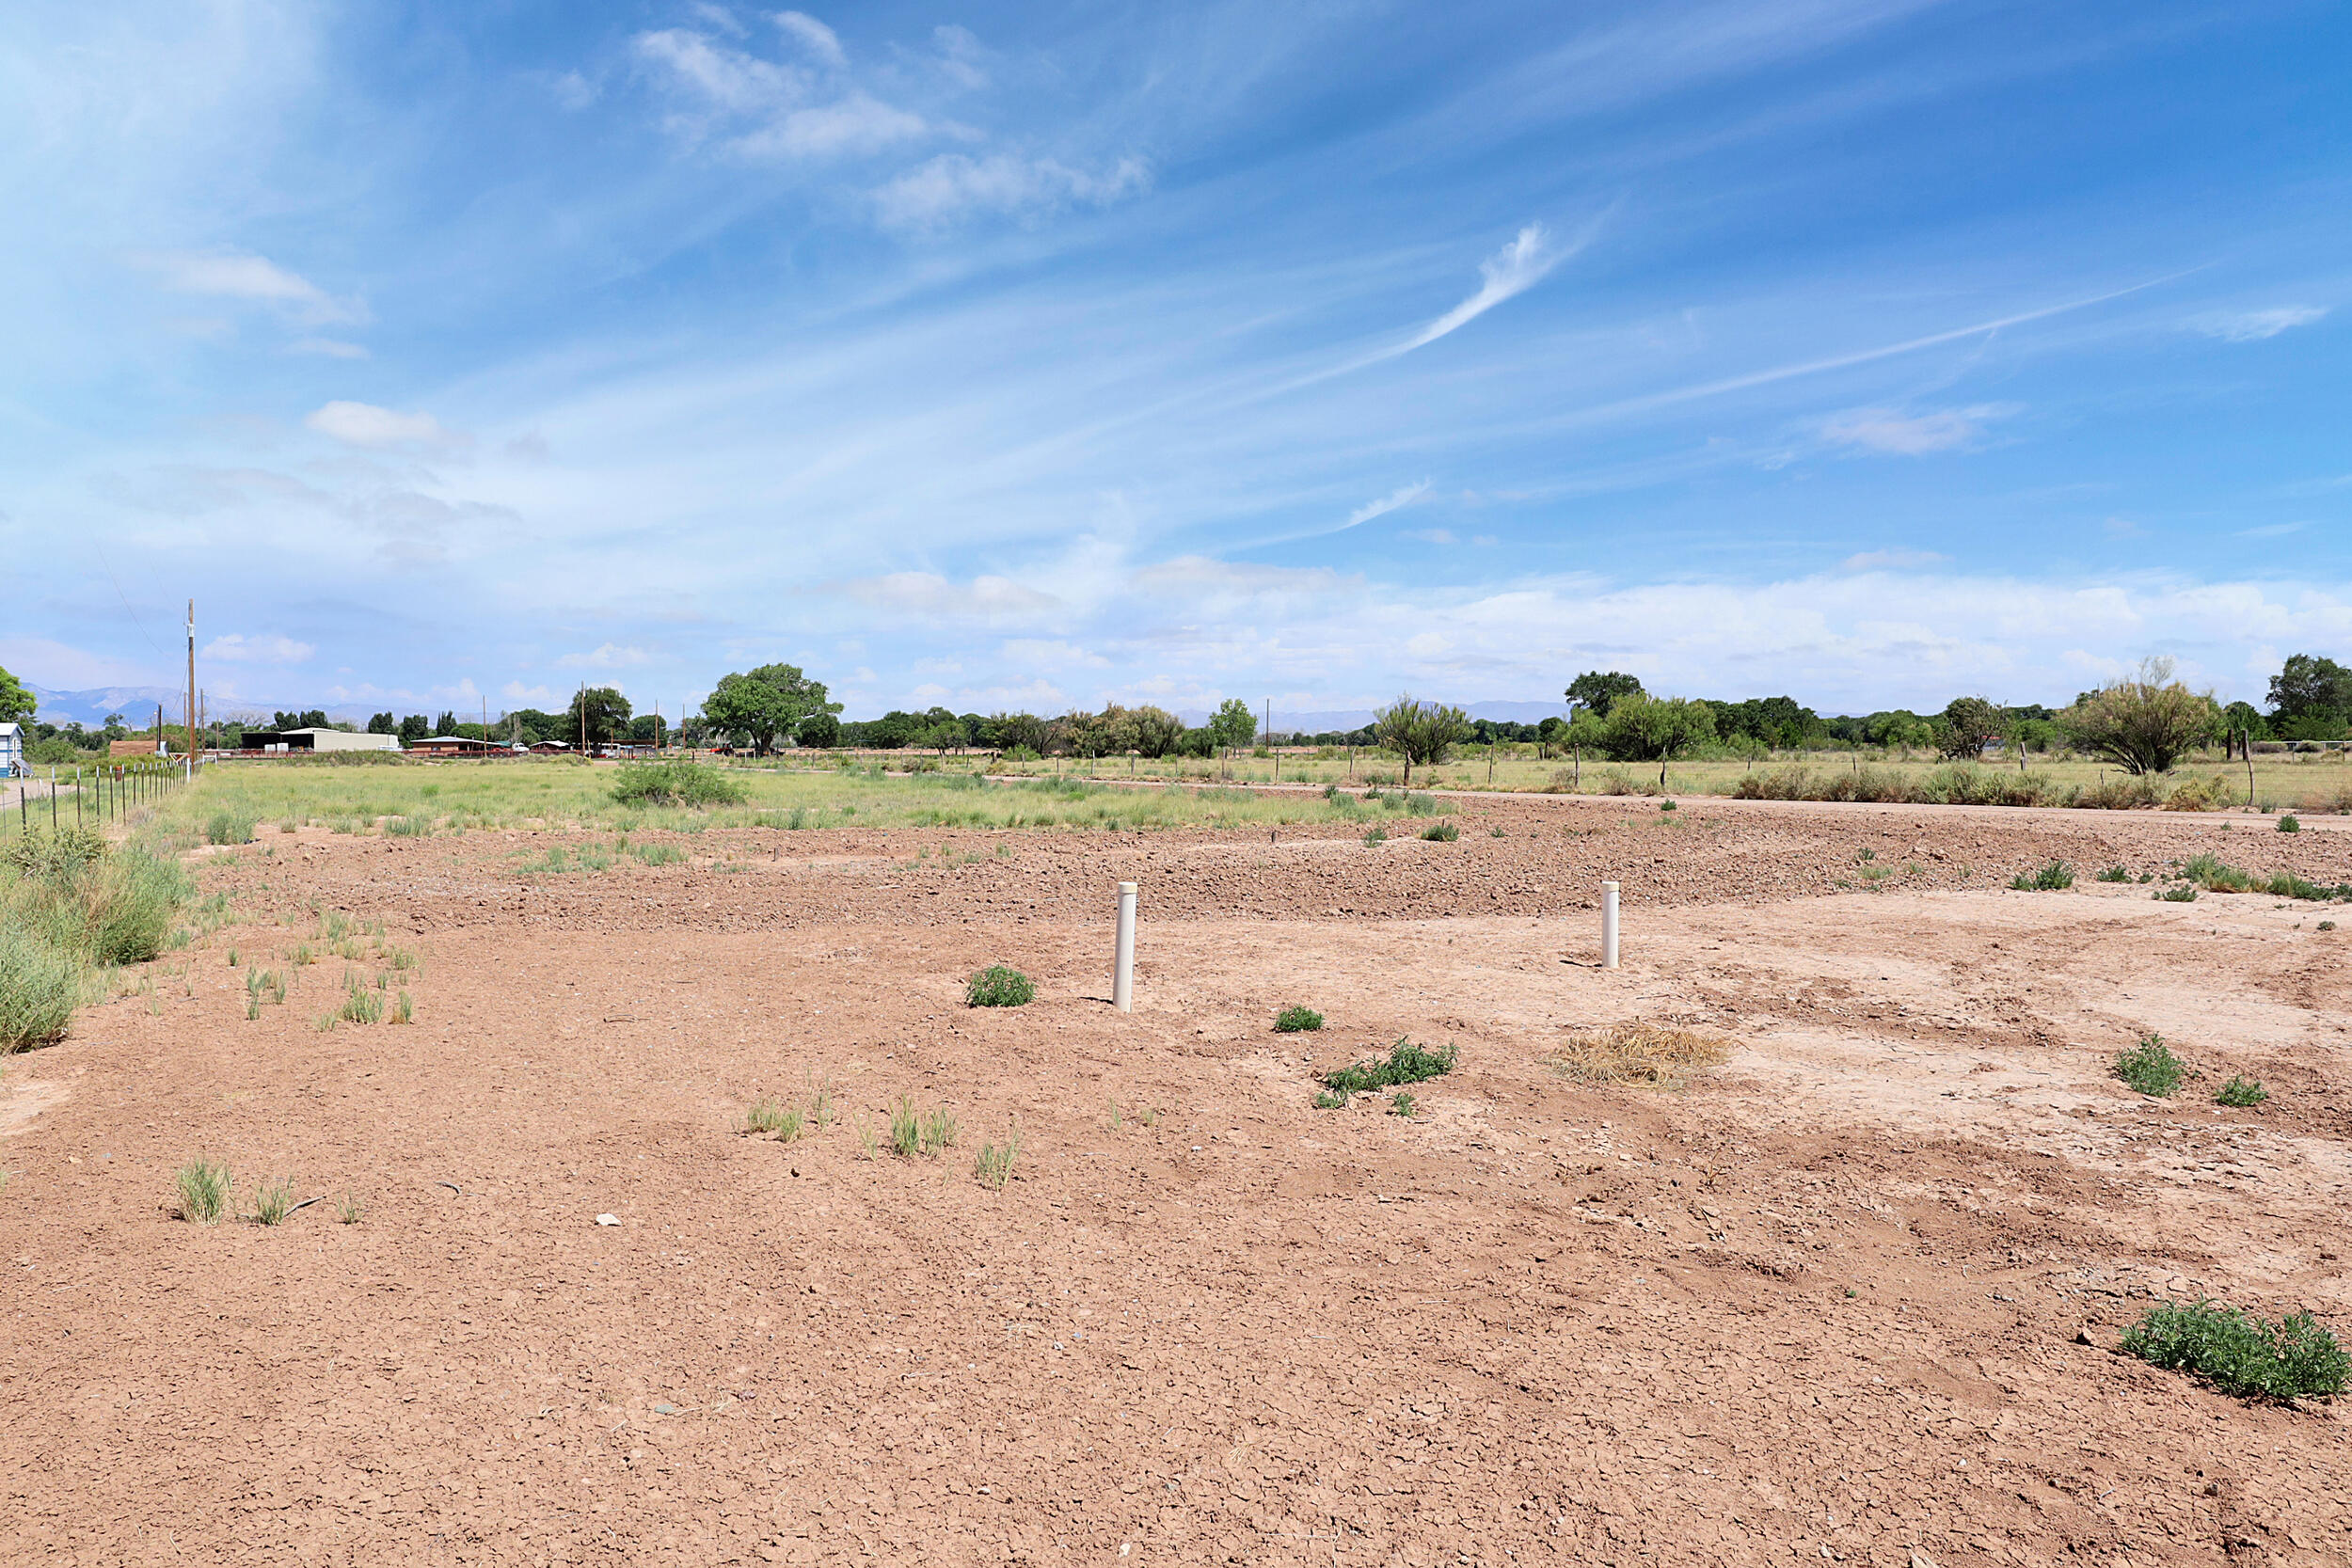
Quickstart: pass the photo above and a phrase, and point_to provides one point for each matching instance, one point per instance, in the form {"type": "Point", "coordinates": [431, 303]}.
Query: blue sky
{"type": "Point", "coordinates": [1873, 350]}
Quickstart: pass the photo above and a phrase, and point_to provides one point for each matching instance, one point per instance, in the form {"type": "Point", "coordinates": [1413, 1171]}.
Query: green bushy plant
{"type": "Point", "coordinates": [2239, 1353]}
{"type": "Point", "coordinates": [2241, 1091]}
{"type": "Point", "coordinates": [1407, 1063]}
{"type": "Point", "coordinates": [999, 986]}
{"type": "Point", "coordinates": [2151, 1068]}
{"type": "Point", "coordinates": [678, 783]}
{"type": "Point", "coordinates": [1296, 1020]}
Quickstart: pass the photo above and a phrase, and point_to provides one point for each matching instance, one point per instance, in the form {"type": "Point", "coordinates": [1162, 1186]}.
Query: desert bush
{"type": "Point", "coordinates": [1423, 733]}
{"type": "Point", "coordinates": [54, 856]}
{"type": "Point", "coordinates": [409, 827]}
{"type": "Point", "coordinates": [1407, 1063]}
{"type": "Point", "coordinates": [2214, 794]}
{"type": "Point", "coordinates": [2288, 824]}
{"type": "Point", "coordinates": [1442, 833]}
{"type": "Point", "coordinates": [127, 905]}
{"type": "Point", "coordinates": [2124, 792]}
{"type": "Point", "coordinates": [1642, 728]}
{"type": "Point", "coordinates": [2145, 722]}
{"type": "Point", "coordinates": [679, 783]}
{"type": "Point", "coordinates": [2054, 878]}
{"type": "Point", "coordinates": [39, 985]}
{"type": "Point", "coordinates": [1375, 835]}
{"type": "Point", "coordinates": [2115, 874]}
{"type": "Point", "coordinates": [2208, 872]}
{"type": "Point", "coordinates": [1296, 1020]}
{"type": "Point", "coordinates": [2239, 1353]}
{"type": "Point", "coordinates": [229, 827]}
{"type": "Point", "coordinates": [2151, 1068]}
{"type": "Point", "coordinates": [999, 986]}
{"type": "Point", "coordinates": [1403, 1104]}
{"type": "Point", "coordinates": [2240, 1091]}
{"type": "Point", "coordinates": [1637, 1053]}
{"type": "Point", "coordinates": [2184, 894]}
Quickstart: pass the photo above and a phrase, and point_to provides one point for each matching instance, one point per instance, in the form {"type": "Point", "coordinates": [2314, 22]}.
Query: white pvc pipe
{"type": "Point", "coordinates": [1123, 969]}
{"type": "Point", "coordinates": [1608, 925]}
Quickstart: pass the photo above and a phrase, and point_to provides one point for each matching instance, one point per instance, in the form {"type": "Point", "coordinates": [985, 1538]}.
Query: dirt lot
{"type": "Point", "coordinates": [1851, 1297]}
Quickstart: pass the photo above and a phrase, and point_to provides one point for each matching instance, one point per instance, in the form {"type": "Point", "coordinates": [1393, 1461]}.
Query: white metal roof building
{"type": "Point", "coordinates": [11, 749]}
{"type": "Point", "coordinates": [319, 740]}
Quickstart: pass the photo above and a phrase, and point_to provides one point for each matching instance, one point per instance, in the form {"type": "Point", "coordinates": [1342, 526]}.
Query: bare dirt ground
{"type": "Point", "coordinates": [1829, 1303]}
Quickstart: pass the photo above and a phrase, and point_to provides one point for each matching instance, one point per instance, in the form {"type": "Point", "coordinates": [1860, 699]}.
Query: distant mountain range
{"type": "Point", "coordinates": [136, 703]}
{"type": "Point", "coordinates": [1324, 721]}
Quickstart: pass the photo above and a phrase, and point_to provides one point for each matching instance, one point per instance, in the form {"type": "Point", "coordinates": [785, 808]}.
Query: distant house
{"type": "Point", "coordinates": [318, 740]}
{"type": "Point", "coordinates": [453, 746]}
{"type": "Point", "coordinates": [12, 751]}
{"type": "Point", "coordinates": [551, 748]}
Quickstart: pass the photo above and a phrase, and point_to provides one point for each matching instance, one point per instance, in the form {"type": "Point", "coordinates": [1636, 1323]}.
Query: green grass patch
{"type": "Point", "coordinates": [992, 1166]}
{"type": "Point", "coordinates": [204, 1189]}
{"type": "Point", "coordinates": [679, 783]}
{"type": "Point", "coordinates": [1442, 833]}
{"type": "Point", "coordinates": [1296, 1021]}
{"type": "Point", "coordinates": [2239, 1353]}
{"type": "Point", "coordinates": [2054, 878]}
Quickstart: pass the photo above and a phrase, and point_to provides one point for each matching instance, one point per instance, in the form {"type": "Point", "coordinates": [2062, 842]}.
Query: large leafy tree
{"type": "Point", "coordinates": [1642, 728]}
{"type": "Point", "coordinates": [2310, 698]}
{"type": "Point", "coordinates": [1233, 726]}
{"type": "Point", "coordinates": [763, 706]}
{"type": "Point", "coordinates": [2144, 722]}
{"type": "Point", "coordinates": [601, 711]}
{"type": "Point", "coordinates": [1601, 690]}
{"type": "Point", "coordinates": [1968, 725]}
{"type": "Point", "coordinates": [16, 702]}
{"type": "Point", "coordinates": [1419, 732]}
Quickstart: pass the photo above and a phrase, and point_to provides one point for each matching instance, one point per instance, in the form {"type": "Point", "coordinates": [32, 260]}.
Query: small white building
{"type": "Point", "coordinates": [319, 740]}
{"type": "Point", "coordinates": [12, 751]}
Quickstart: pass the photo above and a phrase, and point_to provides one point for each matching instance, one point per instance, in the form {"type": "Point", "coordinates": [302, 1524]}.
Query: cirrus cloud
{"type": "Point", "coordinates": [363, 425]}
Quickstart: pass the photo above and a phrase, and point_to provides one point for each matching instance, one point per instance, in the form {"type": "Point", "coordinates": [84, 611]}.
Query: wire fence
{"type": "Point", "coordinates": [99, 795]}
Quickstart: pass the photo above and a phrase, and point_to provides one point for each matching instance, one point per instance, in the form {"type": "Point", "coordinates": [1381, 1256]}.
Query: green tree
{"type": "Point", "coordinates": [2310, 698]}
{"type": "Point", "coordinates": [383, 723]}
{"type": "Point", "coordinates": [1419, 732]}
{"type": "Point", "coordinates": [1233, 726]}
{"type": "Point", "coordinates": [820, 730]}
{"type": "Point", "coordinates": [414, 728]}
{"type": "Point", "coordinates": [2242, 724]}
{"type": "Point", "coordinates": [1600, 691]}
{"type": "Point", "coordinates": [16, 700]}
{"type": "Point", "coordinates": [606, 716]}
{"type": "Point", "coordinates": [2144, 722]}
{"type": "Point", "coordinates": [1968, 725]}
{"type": "Point", "coordinates": [1641, 728]}
{"type": "Point", "coordinates": [763, 706]}
{"type": "Point", "coordinates": [445, 725]}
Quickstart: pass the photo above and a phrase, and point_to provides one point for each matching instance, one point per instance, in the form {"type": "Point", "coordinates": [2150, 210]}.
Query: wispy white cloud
{"type": "Point", "coordinates": [2272, 531]}
{"type": "Point", "coordinates": [332, 348]}
{"type": "Point", "coordinates": [768, 110]}
{"type": "Point", "coordinates": [1512, 270]}
{"type": "Point", "coordinates": [236, 648]}
{"type": "Point", "coordinates": [1910, 435]}
{"type": "Point", "coordinates": [1431, 535]}
{"type": "Point", "coordinates": [953, 187]}
{"type": "Point", "coordinates": [256, 279]}
{"type": "Point", "coordinates": [984, 598]}
{"type": "Point", "coordinates": [363, 425]}
{"type": "Point", "coordinates": [2251, 326]}
{"type": "Point", "coordinates": [1892, 561]}
{"type": "Point", "coordinates": [815, 37]}
{"type": "Point", "coordinates": [609, 656]}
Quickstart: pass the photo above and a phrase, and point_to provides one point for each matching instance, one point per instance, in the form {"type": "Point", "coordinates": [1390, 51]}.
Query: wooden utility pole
{"type": "Point", "coordinates": [583, 718]}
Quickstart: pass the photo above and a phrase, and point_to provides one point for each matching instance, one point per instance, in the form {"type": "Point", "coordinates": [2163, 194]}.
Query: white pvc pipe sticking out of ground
{"type": "Point", "coordinates": [1123, 969]}
{"type": "Point", "coordinates": [1608, 925]}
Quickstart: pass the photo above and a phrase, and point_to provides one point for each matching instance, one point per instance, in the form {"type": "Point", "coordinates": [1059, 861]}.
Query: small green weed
{"type": "Point", "coordinates": [1403, 1104]}
{"type": "Point", "coordinates": [906, 1130]}
{"type": "Point", "coordinates": [2240, 1091]}
{"type": "Point", "coordinates": [1296, 1021]}
{"type": "Point", "coordinates": [1375, 835]}
{"type": "Point", "coordinates": [939, 1132]}
{"type": "Point", "coordinates": [1669, 805]}
{"type": "Point", "coordinates": [204, 1189]}
{"type": "Point", "coordinates": [2184, 894]}
{"type": "Point", "coordinates": [273, 1202]}
{"type": "Point", "coordinates": [1330, 1099]}
{"type": "Point", "coordinates": [361, 1006]}
{"type": "Point", "coordinates": [2151, 1068]}
{"type": "Point", "coordinates": [999, 986]}
{"type": "Point", "coordinates": [2290, 824]}
{"type": "Point", "coordinates": [2239, 1353]}
{"type": "Point", "coordinates": [1442, 833]}
{"type": "Point", "coordinates": [1407, 1063]}
{"type": "Point", "coordinates": [2054, 878]}
{"type": "Point", "coordinates": [765, 1115]}
{"type": "Point", "coordinates": [350, 1209]}
{"type": "Point", "coordinates": [993, 1166]}
{"type": "Point", "coordinates": [2115, 874]}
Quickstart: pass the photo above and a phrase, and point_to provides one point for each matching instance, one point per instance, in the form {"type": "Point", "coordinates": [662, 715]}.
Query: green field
{"type": "Point", "coordinates": [2281, 782]}
{"type": "Point", "coordinates": [231, 800]}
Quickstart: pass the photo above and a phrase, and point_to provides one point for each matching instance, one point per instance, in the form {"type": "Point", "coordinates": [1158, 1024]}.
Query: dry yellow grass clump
{"type": "Point", "coordinates": [1637, 1053]}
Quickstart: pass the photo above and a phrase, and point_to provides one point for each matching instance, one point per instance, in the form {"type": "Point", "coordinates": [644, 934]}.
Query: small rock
{"type": "Point", "coordinates": [1920, 1558]}
{"type": "Point", "coordinates": [2082, 1336]}
{"type": "Point", "coordinates": [608, 1219]}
